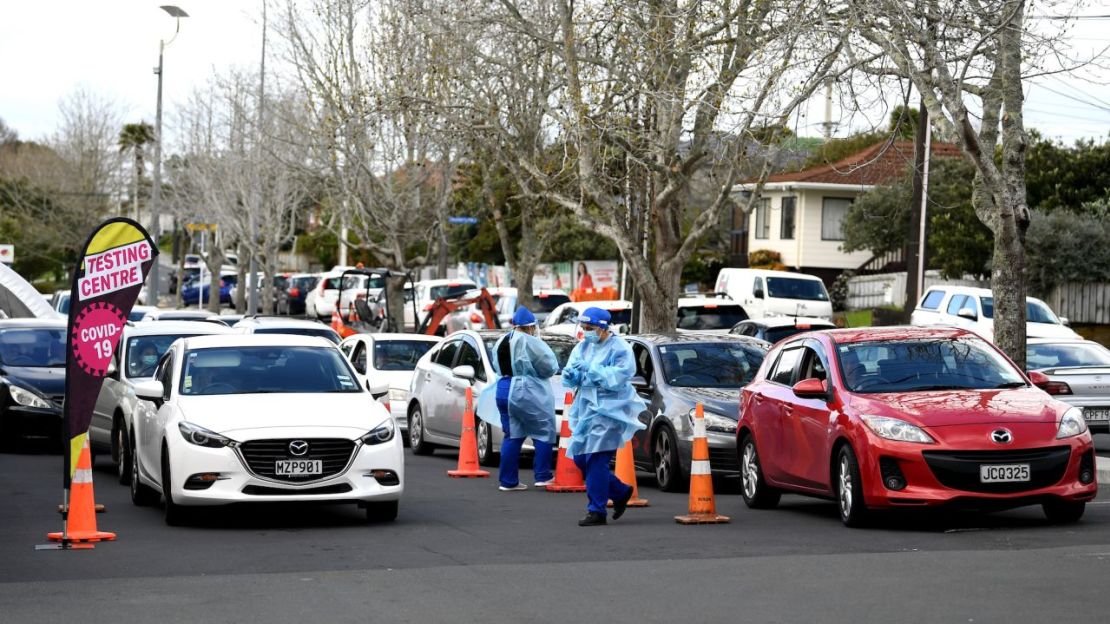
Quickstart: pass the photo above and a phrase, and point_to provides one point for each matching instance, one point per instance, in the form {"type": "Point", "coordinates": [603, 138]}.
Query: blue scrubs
{"type": "Point", "coordinates": [602, 485]}
{"type": "Point", "coordinates": [509, 473]}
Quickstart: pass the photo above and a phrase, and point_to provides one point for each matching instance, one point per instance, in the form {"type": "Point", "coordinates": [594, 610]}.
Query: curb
{"type": "Point", "coordinates": [1103, 467]}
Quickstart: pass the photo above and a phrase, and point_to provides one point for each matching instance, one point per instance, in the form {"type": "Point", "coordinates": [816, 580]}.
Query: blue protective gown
{"type": "Point", "coordinates": [606, 409]}
{"type": "Point", "coordinates": [531, 402]}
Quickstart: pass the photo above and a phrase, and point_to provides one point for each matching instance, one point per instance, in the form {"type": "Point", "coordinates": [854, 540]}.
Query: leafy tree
{"type": "Point", "coordinates": [1068, 246]}
{"type": "Point", "coordinates": [1059, 176]}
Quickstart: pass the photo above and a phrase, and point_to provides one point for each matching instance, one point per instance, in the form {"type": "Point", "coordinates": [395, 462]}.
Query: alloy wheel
{"type": "Point", "coordinates": [663, 458]}
{"type": "Point", "coordinates": [416, 429]}
{"type": "Point", "coordinates": [751, 470]}
{"type": "Point", "coordinates": [845, 494]}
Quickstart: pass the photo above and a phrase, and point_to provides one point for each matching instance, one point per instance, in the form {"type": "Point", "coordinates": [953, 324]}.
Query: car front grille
{"type": "Point", "coordinates": [260, 455]}
{"type": "Point", "coordinates": [960, 469]}
{"type": "Point", "coordinates": [723, 460]}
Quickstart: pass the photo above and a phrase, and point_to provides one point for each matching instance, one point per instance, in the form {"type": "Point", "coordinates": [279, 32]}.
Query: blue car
{"type": "Point", "coordinates": [191, 291]}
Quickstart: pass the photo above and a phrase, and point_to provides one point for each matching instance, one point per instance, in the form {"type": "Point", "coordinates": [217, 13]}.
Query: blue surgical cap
{"type": "Point", "coordinates": [523, 317]}
{"type": "Point", "coordinates": [595, 316]}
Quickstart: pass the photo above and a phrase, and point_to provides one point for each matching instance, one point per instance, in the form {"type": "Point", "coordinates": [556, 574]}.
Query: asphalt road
{"type": "Point", "coordinates": [461, 551]}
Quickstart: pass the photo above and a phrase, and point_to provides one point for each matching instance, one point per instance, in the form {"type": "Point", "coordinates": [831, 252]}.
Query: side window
{"type": "Point", "coordinates": [644, 367]}
{"type": "Point", "coordinates": [346, 349]}
{"type": "Point", "coordinates": [359, 358]}
{"type": "Point", "coordinates": [813, 366]}
{"type": "Point", "coordinates": [932, 299]}
{"type": "Point", "coordinates": [783, 372]}
{"type": "Point", "coordinates": [955, 305]}
{"type": "Point", "coordinates": [446, 355]}
{"type": "Point", "coordinates": [468, 356]}
{"type": "Point", "coordinates": [757, 288]}
{"type": "Point", "coordinates": [568, 315]}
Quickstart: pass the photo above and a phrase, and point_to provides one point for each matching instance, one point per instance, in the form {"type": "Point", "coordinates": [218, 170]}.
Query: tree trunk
{"type": "Point", "coordinates": [214, 261]}
{"type": "Point", "coordinates": [660, 308]}
{"type": "Point", "coordinates": [1008, 287]}
{"type": "Point", "coordinates": [268, 272]}
{"type": "Point", "coordinates": [395, 300]}
{"type": "Point", "coordinates": [241, 270]}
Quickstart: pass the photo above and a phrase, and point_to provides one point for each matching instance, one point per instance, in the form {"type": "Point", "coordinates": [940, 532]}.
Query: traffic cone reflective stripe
{"type": "Point", "coordinates": [626, 472]}
{"type": "Point", "coordinates": [703, 506]}
{"type": "Point", "coordinates": [81, 516]}
{"type": "Point", "coordinates": [468, 444]}
{"type": "Point", "coordinates": [568, 478]}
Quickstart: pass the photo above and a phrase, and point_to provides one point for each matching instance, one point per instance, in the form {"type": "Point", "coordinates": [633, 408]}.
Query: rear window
{"type": "Point", "coordinates": [399, 355]}
{"type": "Point", "coordinates": [547, 303]}
{"type": "Point", "coordinates": [794, 288]}
{"type": "Point", "coordinates": [710, 316]}
{"type": "Point", "coordinates": [449, 291]}
{"type": "Point", "coordinates": [711, 365]}
{"type": "Point", "coordinates": [1064, 355]}
{"type": "Point", "coordinates": [932, 299]}
{"type": "Point", "coordinates": [1034, 312]}
{"type": "Point", "coordinates": [775, 334]}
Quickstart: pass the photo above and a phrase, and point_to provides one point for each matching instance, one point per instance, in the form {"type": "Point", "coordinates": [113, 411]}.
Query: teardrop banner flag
{"type": "Point", "coordinates": [106, 283]}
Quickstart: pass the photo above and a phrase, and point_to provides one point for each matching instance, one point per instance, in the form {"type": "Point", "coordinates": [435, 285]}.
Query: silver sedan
{"type": "Point", "coordinates": [1079, 374]}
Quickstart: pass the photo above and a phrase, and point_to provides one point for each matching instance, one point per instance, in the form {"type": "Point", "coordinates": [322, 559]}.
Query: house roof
{"type": "Point", "coordinates": [879, 164]}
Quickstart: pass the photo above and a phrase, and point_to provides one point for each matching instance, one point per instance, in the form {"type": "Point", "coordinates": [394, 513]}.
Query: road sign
{"type": "Point", "coordinates": [7, 254]}
{"type": "Point", "coordinates": [200, 227]}
{"type": "Point", "coordinates": [462, 220]}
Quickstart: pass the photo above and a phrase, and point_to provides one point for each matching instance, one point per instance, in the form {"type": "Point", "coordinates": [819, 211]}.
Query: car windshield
{"type": "Point", "coordinates": [1062, 355]}
{"type": "Point", "coordinates": [775, 334]}
{"type": "Point", "coordinates": [966, 363]}
{"type": "Point", "coordinates": [547, 303]}
{"type": "Point", "coordinates": [399, 355]}
{"type": "Point", "coordinates": [33, 347]}
{"type": "Point", "coordinates": [561, 345]}
{"type": "Point", "coordinates": [322, 332]}
{"type": "Point", "coordinates": [1034, 312]}
{"type": "Point", "coordinates": [143, 353]}
{"type": "Point", "coordinates": [710, 316]}
{"type": "Point", "coordinates": [794, 288]}
{"type": "Point", "coordinates": [710, 364]}
{"type": "Point", "coordinates": [255, 370]}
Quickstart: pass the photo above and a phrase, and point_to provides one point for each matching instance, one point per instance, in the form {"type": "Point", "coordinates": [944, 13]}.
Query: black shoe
{"type": "Point", "coordinates": [621, 505]}
{"type": "Point", "coordinates": [592, 519]}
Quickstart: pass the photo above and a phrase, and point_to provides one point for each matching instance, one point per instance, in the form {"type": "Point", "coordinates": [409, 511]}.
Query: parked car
{"type": "Point", "coordinates": [60, 302]}
{"type": "Point", "coordinates": [291, 301]}
{"type": "Point", "coordinates": [437, 397]}
{"type": "Point", "coordinates": [775, 328]}
{"type": "Point", "coordinates": [137, 354]}
{"type": "Point", "coordinates": [708, 313]}
{"type": "Point", "coordinates": [32, 378]}
{"type": "Point", "coordinates": [544, 300]}
{"type": "Point", "coordinates": [904, 417]}
{"type": "Point", "coordinates": [973, 309]}
{"type": "Point", "coordinates": [139, 312]}
{"type": "Point", "coordinates": [1079, 374]}
{"type": "Point", "coordinates": [765, 293]}
{"type": "Point", "coordinates": [272, 418]}
{"type": "Point", "coordinates": [391, 357]}
{"type": "Point", "coordinates": [322, 303]}
{"type": "Point", "coordinates": [675, 372]}
{"type": "Point", "coordinates": [425, 292]}
{"type": "Point", "coordinates": [192, 292]}
{"type": "Point", "coordinates": [563, 320]}
{"type": "Point", "coordinates": [194, 314]}
{"type": "Point", "coordinates": [287, 326]}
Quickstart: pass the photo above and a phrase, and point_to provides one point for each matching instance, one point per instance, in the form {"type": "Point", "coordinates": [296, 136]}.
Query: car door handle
{"type": "Point", "coordinates": [757, 397]}
{"type": "Point", "coordinates": [788, 410]}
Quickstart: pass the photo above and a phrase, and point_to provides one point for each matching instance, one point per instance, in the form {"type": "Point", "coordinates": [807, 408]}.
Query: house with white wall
{"type": "Point", "coordinates": [800, 214]}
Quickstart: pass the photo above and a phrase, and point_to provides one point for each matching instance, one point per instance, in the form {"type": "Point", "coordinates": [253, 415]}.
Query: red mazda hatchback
{"type": "Point", "coordinates": [909, 417]}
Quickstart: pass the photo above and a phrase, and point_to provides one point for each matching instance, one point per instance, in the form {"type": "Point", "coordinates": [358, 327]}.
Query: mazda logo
{"type": "Point", "coordinates": [298, 448]}
{"type": "Point", "coordinates": [1002, 436]}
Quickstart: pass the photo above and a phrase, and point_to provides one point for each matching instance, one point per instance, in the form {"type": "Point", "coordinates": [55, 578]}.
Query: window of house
{"type": "Point", "coordinates": [762, 220]}
{"type": "Point", "coordinates": [786, 229]}
{"type": "Point", "coordinates": [833, 211]}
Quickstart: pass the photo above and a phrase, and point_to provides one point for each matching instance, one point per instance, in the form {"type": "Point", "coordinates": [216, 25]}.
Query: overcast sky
{"type": "Point", "coordinates": [49, 48]}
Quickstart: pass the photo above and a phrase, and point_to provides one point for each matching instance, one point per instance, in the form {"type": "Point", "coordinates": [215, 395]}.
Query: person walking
{"type": "Point", "coordinates": [604, 414]}
{"type": "Point", "coordinates": [521, 402]}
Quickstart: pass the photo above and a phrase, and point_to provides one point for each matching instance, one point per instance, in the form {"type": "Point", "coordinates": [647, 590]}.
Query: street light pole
{"type": "Point", "coordinates": [156, 189]}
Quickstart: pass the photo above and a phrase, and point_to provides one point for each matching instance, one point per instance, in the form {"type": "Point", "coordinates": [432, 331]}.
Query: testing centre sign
{"type": "Point", "coordinates": [116, 260]}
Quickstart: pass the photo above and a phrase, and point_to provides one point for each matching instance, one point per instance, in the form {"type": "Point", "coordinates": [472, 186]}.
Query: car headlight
{"type": "Point", "coordinates": [382, 433]}
{"type": "Point", "coordinates": [26, 398]}
{"type": "Point", "coordinates": [714, 422]}
{"type": "Point", "coordinates": [1072, 424]}
{"type": "Point", "coordinates": [897, 430]}
{"type": "Point", "coordinates": [203, 437]}
{"type": "Point", "coordinates": [398, 394]}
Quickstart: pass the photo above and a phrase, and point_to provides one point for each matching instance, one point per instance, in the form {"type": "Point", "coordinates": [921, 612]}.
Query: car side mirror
{"type": "Point", "coordinates": [377, 389]}
{"type": "Point", "coordinates": [465, 371]}
{"type": "Point", "coordinates": [1039, 379]}
{"type": "Point", "coordinates": [758, 293]}
{"type": "Point", "coordinates": [812, 388]}
{"type": "Point", "coordinates": [1064, 321]}
{"type": "Point", "coordinates": [149, 389]}
{"type": "Point", "coordinates": [112, 368]}
{"type": "Point", "coordinates": [641, 384]}
{"type": "Point", "coordinates": [967, 313]}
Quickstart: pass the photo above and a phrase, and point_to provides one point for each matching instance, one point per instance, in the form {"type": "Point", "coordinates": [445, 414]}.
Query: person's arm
{"type": "Point", "coordinates": [616, 374]}
{"type": "Point", "coordinates": [574, 371]}
{"type": "Point", "coordinates": [543, 359]}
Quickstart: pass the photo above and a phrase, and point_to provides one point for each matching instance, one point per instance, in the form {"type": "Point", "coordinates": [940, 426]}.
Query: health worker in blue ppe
{"type": "Point", "coordinates": [604, 414]}
{"type": "Point", "coordinates": [521, 402]}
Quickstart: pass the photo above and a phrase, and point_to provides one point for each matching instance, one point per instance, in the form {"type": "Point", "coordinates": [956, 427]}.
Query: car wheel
{"type": "Point", "coordinates": [669, 475]}
{"type": "Point", "coordinates": [174, 514]}
{"type": "Point", "coordinates": [416, 433]}
{"type": "Point", "coordinates": [849, 489]}
{"type": "Point", "coordinates": [382, 511]}
{"type": "Point", "coordinates": [486, 456]}
{"type": "Point", "coordinates": [1064, 512]}
{"type": "Point", "coordinates": [757, 494]}
{"type": "Point", "coordinates": [123, 456]}
{"type": "Point", "coordinates": [141, 495]}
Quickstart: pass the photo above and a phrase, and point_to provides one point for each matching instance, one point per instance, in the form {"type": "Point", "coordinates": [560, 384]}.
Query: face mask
{"type": "Point", "coordinates": [150, 359]}
{"type": "Point", "coordinates": [591, 336]}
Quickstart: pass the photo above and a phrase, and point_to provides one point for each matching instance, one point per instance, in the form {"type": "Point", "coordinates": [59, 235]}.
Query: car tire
{"type": "Point", "coordinates": [484, 439]}
{"type": "Point", "coordinates": [1064, 512]}
{"type": "Point", "coordinates": [416, 433]}
{"type": "Point", "coordinates": [174, 514]}
{"type": "Point", "coordinates": [849, 489]}
{"type": "Point", "coordinates": [385, 511]}
{"type": "Point", "coordinates": [757, 494]}
{"type": "Point", "coordinates": [142, 495]}
{"type": "Point", "coordinates": [123, 455]}
{"type": "Point", "coordinates": [665, 462]}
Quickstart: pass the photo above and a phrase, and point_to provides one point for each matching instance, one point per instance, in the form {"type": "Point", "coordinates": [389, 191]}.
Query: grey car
{"type": "Point", "coordinates": [675, 372]}
{"type": "Point", "coordinates": [1079, 373]}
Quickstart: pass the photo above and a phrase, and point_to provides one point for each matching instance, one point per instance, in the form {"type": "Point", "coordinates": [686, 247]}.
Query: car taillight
{"type": "Point", "coordinates": [1057, 388]}
{"type": "Point", "coordinates": [475, 317]}
{"type": "Point", "coordinates": [294, 292]}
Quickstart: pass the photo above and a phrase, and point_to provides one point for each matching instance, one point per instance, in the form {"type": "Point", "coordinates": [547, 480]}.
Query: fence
{"type": "Point", "coordinates": [889, 289]}
{"type": "Point", "coordinates": [1081, 303]}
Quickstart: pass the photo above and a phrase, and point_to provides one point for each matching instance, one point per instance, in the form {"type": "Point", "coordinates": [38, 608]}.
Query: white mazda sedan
{"type": "Point", "coordinates": [264, 418]}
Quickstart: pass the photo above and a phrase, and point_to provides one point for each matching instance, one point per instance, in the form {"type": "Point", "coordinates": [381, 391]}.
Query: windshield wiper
{"type": "Point", "coordinates": [1010, 384]}
{"type": "Point", "coordinates": [937, 387]}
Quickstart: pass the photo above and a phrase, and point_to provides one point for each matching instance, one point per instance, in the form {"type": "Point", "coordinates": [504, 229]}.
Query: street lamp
{"type": "Point", "coordinates": [156, 190]}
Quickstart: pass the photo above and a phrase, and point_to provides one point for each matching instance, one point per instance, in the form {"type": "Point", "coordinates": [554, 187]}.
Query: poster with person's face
{"type": "Point", "coordinates": [595, 274]}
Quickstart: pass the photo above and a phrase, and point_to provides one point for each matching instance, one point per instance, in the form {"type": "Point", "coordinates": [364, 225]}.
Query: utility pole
{"type": "Point", "coordinates": [252, 276]}
{"type": "Point", "coordinates": [915, 250]}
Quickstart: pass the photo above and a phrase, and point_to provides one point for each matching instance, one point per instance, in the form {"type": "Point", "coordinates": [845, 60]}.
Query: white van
{"type": "Point", "coordinates": [776, 293]}
{"type": "Point", "coordinates": [973, 308]}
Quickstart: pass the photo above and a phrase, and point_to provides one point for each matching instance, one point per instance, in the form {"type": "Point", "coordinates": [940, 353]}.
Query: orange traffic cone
{"type": "Point", "coordinates": [568, 478]}
{"type": "Point", "coordinates": [626, 472]}
{"type": "Point", "coordinates": [468, 445]}
{"type": "Point", "coordinates": [81, 519]}
{"type": "Point", "coordinates": [703, 507]}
